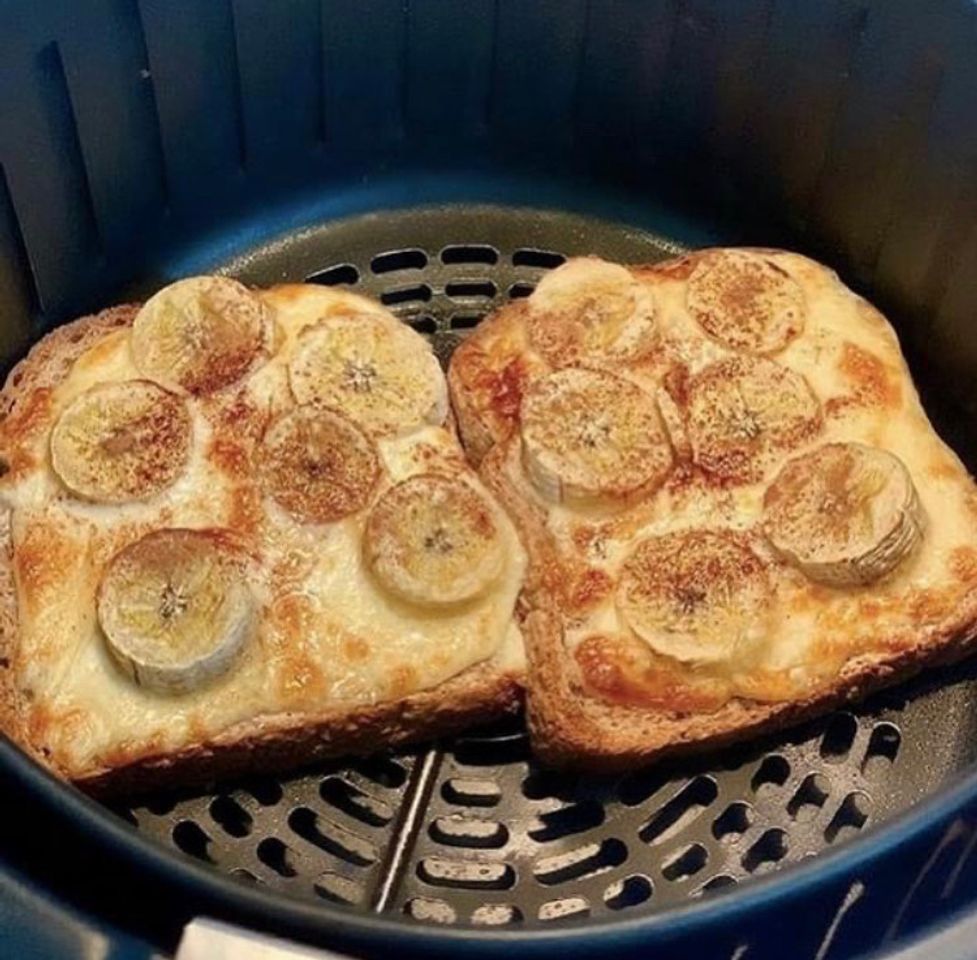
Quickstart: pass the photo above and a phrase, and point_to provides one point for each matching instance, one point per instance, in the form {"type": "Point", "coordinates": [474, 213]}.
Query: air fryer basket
{"type": "Point", "coordinates": [442, 157]}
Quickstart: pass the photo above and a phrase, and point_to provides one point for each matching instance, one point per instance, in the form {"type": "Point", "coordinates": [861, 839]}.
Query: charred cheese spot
{"type": "Point", "coordinates": [230, 457]}
{"type": "Point", "coordinates": [963, 563]}
{"type": "Point", "coordinates": [505, 388]}
{"type": "Point", "coordinates": [624, 672]}
{"type": "Point", "coordinates": [294, 626]}
{"type": "Point", "coordinates": [20, 430]}
{"type": "Point", "coordinates": [870, 382]}
{"type": "Point", "coordinates": [45, 557]}
{"type": "Point", "coordinates": [246, 514]}
{"type": "Point", "coordinates": [403, 681]}
{"type": "Point", "coordinates": [355, 648]}
{"type": "Point", "coordinates": [588, 588]}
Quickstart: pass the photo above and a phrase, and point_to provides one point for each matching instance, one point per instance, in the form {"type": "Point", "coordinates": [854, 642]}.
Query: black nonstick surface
{"type": "Point", "coordinates": [472, 830]}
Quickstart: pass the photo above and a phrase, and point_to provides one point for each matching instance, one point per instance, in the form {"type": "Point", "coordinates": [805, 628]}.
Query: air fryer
{"type": "Point", "coordinates": [442, 156]}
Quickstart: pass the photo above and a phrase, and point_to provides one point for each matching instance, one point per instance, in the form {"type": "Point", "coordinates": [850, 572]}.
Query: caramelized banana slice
{"type": "Point", "coordinates": [843, 514]}
{"type": "Point", "coordinates": [590, 437]}
{"type": "Point", "coordinates": [743, 410]}
{"type": "Point", "coordinates": [697, 596]}
{"type": "Point", "coordinates": [318, 465]}
{"type": "Point", "coordinates": [746, 301]}
{"type": "Point", "coordinates": [589, 311]}
{"type": "Point", "coordinates": [375, 369]}
{"type": "Point", "coordinates": [431, 540]}
{"type": "Point", "coordinates": [175, 609]}
{"type": "Point", "coordinates": [200, 334]}
{"type": "Point", "coordinates": [121, 441]}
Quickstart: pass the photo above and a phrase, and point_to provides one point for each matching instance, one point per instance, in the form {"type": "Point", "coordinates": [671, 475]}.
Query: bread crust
{"type": "Point", "coordinates": [570, 727]}
{"type": "Point", "coordinates": [265, 744]}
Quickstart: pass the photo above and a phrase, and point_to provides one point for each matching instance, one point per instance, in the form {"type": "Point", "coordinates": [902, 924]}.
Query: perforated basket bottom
{"type": "Point", "coordinates": [472, 831]}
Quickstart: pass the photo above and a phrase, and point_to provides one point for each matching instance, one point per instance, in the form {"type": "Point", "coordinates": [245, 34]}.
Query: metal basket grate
{"type": "Point", "coordinates": [473, 831]}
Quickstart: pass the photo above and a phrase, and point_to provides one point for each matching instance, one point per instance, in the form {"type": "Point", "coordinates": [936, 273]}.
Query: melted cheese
{"type": "Point", "coordinates": [851, 358]}
{"type": "Point", "coordinates": [328, 638]}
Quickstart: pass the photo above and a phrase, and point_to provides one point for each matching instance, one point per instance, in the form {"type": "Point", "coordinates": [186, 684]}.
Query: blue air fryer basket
{"type": "Point", "coordinates": [442, 156]}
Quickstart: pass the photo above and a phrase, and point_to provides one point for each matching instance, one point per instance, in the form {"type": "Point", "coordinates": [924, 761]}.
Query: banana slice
{"type": "Point", "coordinates": [591, 438]}
{"type": "Point", "coordinates": [376, 370]}
{"type": "Point", "coordinates": [746, 301]}
{"type": "Point", "coordinates": [121, 441]}
{"type": "Point", "coordinates": [843, 514]}
{"type": "Point", "coordinates": [743, 410]}
{"type": "Point", "coordinates": [589, 311]}
{"type": "Point", "coordinates": [696, 596]}
{"type": "Point", "coordinates": [200, 334]}
{"type": "Point", "coordinates": [175, 609]}
{"type": "Point", "coordinates": [318, 465]}
{"type": "Point", "coordinates": [432, 540]}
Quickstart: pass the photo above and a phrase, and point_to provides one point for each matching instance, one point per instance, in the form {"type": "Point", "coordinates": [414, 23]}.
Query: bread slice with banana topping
{"type": "Point", "coordinates": [240, 535]}
{"type": "Point", "coordinates": [736, 510]}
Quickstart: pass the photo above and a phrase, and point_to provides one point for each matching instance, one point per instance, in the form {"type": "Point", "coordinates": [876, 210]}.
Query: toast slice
{"type": "Point", "coordinates": [736, 511]}
{"type": "Point", "coordinates": [324, 643]}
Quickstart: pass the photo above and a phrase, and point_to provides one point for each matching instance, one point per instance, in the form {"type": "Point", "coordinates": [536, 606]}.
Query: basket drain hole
{"type": "Point", "coordinates": [353, 801]}
{"type": "Point", "coordinates": [567, 821]}
{"type": "Point", "coordinates": [686, 863]}
{"type": "Point", "coordinates": [458, 831]}
{"type": "Point", "coordinates": [471, 793]}
{"type": "Point", "coordinates": [492, 752]}
{"type": "Point", "coordinates": [470, 253]}
{"type": "Point", "coordinates": [883, 746]}
{"type": "Point", "coordinates": [192, 840]}
{"type": "Point", "coordinates": [427, 325]}
{"type": "Point", "coordinates": [430, 910]}
{"type": "Point", "coordinates": [231, 816]}
{"type": "Point", "coordinates": [809, 798]}
{"type": "Point", "coordinates": [850, 817]}
{"type": "Point", "coordinates": [838, 737]}
{"type": "Point", "coordinates": [383, 771]}
{"type": "Point", "coordinates": [733, 822]}
{"type": "Point", "coordinates": [267, 792]}
{"type": "Point", "coordinates": [542, 259]}
{"type": "Point", "coordinates": [722, 881]}
{"type": "Point", "coordinates": [774, 771]}
{"type": "Point", "coordinates": [585, 861]}
{"type": "Point", "coordinates": [331, 837]}
{"type": "Point", "coordinates": [273, 853]}
{"type": "Point", "coordinates": [410, 259]}
{"type": "Point", "coordinates": [496, 914]}
{"type": "Point", "coordinates": [338, 889]}
{"type": "Point", "coordinates": [470, 289]}
{"type": "Point", "coordinates": [628, 892]}
{"type": "Point", "coordinates": [768, 849]}
{"type": "Point", "coordinates": [564, 908]}
{"type": "Point", "coordinates": [466, 874]}
{"type": "Point", "coordinates": [680, 811]}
